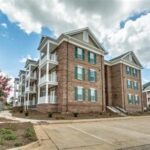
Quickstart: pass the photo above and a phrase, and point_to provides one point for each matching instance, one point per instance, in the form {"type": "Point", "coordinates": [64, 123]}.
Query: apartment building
{"type": "Point", "coordinates": [146, 95]}
{"type": "Point", "coordinates": [123, 82]}
{"type": "Point", "coordinates": [21, 88]}
{"type": "Point", "coordinates": [16, 92]}
{"type": "Point", "coordinates": [30, 99]}
{"type": "Point", "coordinates": [72, 76]}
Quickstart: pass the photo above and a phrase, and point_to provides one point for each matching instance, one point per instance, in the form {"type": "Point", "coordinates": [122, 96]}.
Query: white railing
{"type": "Point", "coordinates": [41, 100]}
{"type": "Point", "coordinates": [32, 88]}
{"type": "Point", "coordinates": [52, 99]}
{"type": "Point", "coordinates": [43, 79]}
{"type": "Point", "coordinates": [52, 78]}
{"type": "Point", "coordinates": [52, 58]}
{"type": "Point", "coordinates": [27, 89]}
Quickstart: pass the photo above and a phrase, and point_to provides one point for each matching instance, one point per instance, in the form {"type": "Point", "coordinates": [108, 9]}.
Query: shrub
{"type": "Point", "coordinates": [7, 134]}
{"type": "Point", "coordinates": [26, 113]}
{"type": "Point", "coordinates": [21, 111]}
{"type": "Point", "coordinates": [1, 141]}
{"type": "Point", "coordinates": [50, 114]}
{"type": "Point", "coordinates": [17, 144]}
{"type": "Point", "coordinates": [75, 114]}
{"type": "Point", "coordinates": [30, 134]}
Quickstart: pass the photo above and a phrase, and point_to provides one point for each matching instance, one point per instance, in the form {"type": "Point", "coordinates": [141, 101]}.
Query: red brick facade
{"type": "Point", "coordinates": [116, 87]}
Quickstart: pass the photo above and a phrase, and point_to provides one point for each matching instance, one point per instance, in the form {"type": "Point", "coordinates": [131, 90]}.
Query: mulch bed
{"type": "Point", "coordinates": [16, 134]}
{"type": "Point", "coordinates": [67, 116]}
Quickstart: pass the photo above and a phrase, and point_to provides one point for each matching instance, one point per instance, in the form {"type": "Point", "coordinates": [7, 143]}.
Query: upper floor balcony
{"type": "Point", "coordinates": [31, 89]}
{"type": "Point", "coordinates": [31, 76]}
{"type": "Point", "coordinates": [50, 58]}
{"type": "Point", "coordinates": [49, 78]}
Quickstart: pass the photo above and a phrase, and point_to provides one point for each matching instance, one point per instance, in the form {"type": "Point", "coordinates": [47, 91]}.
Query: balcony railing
{"type": "Point", "coordinates": [41, 100]}
{"type": "Point", "coordinates": [31, 76]}
{"type": "Point", "coordinates": [52, 99]}
{"type": "Point", "coordinates": [52, 79]}
{"type": "Point", "coordinates": [52, 59]}
{"type": "Point", "coordinates": [30, 89]}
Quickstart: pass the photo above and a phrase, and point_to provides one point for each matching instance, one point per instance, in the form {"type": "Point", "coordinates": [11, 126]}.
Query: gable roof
{"type": "Point", "coordinates": [121, 57]}
{"type": "Point", "coordinates": [146, 85]}
{"type": "Point", "coordinates": [30, 61]}
{"type": "Point", "coordinates": [91, 34]}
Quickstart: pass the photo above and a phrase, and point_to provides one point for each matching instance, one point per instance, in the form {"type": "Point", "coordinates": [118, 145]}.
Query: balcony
{"type": "Point", "coordinates": [51, 99]}
{"type": "Point", "coordinates": [41, 100]}
{"type": "Point", "coordinates": [52, 59]}
{"type": "Point", "coordinates": [31, 89]}
{"type": "Point", "coordinates": [52, 79]}
{"type": "Point", "coordinates": [31, 76]}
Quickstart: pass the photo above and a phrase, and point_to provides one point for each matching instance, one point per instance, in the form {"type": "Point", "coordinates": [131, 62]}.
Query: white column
{"type": "Point", "coordinates": [48, 46]}
{"type": "Point", "coordinates": [46, 99]}
{"type": "Point", "coordinates": [24, 102]}
{"type": "Point", "coordinates": [28, 101]}
{"type": "Point", "coordinates": [39, 74]}
{"type": "Point", "coordinates": [38, 95]}
{"type": "Point", "coordinates": [47, 72]}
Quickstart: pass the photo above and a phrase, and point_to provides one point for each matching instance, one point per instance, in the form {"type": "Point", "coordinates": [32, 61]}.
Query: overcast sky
{"type": "Point", "coordinates": [120, 25]}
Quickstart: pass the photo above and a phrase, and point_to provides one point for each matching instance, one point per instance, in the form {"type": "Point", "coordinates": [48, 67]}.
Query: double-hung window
{"type": "Point", "coordinates": [79, 73]}
{"type": "Point", "coordinates": [127, 69]}
{"type": "Point", "coordinates": [79, 53]}
{"type": "Point", "coordinates": [79, 93]}
{"type": "Point", "coordinates": [91, 75]}
{"type": "Point", "coordinates": [129, 98]}
{"type": "Point", "coordinates": [136, 85]}
{"type": "Point", "coordinates": [92, 95]}
{"type": "Point", "coordinates": [91, 58]}
{"type": "Point", "coordinates": [136, 99]}
{"type": "Point", "coordinates": [129, 84]}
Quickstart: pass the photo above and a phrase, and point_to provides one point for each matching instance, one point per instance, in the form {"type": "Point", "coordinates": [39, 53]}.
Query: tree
{"type": "Point", "coordinates": [5, 88]}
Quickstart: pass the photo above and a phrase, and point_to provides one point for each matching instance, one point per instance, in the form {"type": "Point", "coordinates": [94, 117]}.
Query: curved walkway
{"type": "Point", "coordinates": [6, 114]}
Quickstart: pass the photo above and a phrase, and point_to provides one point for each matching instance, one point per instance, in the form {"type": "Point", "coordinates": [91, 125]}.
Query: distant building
{"type": "Point", "coordinates": [146, 95]}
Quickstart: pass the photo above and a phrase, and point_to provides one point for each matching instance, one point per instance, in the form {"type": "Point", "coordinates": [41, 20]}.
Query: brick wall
{"type": "Point", "coordinates": [65, 89]}
{"type": "Point", "coordinates": [132, 107]}
{"type": "Point", "coordinates": [116, 78]}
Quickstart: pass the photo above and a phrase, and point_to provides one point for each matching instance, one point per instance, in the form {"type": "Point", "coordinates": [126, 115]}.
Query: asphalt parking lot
{"type": "Point", "coordinates": [127, 134]}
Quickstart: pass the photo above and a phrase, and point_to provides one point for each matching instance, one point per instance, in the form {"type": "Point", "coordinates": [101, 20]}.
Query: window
{"type": "Point", "coordinates": [129, 84]}
{"type": "Point", "coordinates": [131, 71]}
{"type": "Point", "coordinates": [136, 99]}
{"type": "Point", "coordinates": [136, 85]}
{"type": "Point", "coordinates": [91, 58]}
{"type": "Point", "coordinates": [79, 73]}
{"type": "Point", "coordinates": [79, 53]}
{"type": "Point", "coordinates": [92, 75]}
{"type": "Point", "coordinates": [127, 69]}
{"type": "Point", "coordinates": [129, 99]}
{"type": "Point", "coordinates": [79, 93]}
{"type": "Point", "coordinates": [92, 95]}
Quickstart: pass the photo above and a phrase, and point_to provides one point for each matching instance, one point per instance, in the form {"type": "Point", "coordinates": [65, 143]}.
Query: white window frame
{"type": "Point", "coordinates": [92, 90]}
{"type": "Point", "coordinates": [79, 87]}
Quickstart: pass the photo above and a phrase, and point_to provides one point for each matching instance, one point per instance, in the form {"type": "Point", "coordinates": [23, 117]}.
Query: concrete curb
{"type": "Point", "coordinates": [94, 120]}
{"type": "Point", "coordinates": [27, 147]}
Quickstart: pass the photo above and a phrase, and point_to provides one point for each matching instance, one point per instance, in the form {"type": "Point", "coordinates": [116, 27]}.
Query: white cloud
{"type": "Point", "coordinates": [102, 16]}
{"type": "Point", "coordinates": [4, 25]}
{"type": "Point", "coordinates": [134, 36]}
{"type": "Point", "coordinates": [23, 59]}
